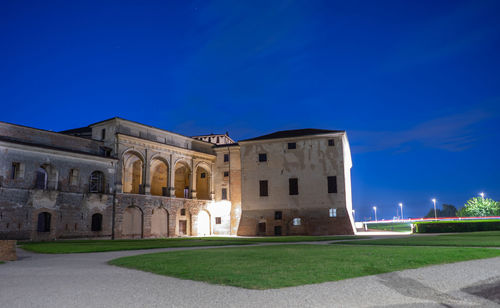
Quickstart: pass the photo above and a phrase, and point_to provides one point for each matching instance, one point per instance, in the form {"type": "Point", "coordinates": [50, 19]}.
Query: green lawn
{"type": "Point", "coordinates": [79, 246]}
{"type": "Point", "coordinates": [472, 239]}
{"type": "Point", "coordinates": [265, 267]}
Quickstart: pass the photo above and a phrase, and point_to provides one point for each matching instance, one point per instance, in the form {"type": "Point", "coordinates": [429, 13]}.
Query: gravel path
{"type": "Point", "coordinates": [85, 280]}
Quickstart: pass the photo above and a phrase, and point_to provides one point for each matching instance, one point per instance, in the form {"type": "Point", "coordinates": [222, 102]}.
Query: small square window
{"type": "Point", "coordinates": [292, 145]}
{"type": "Point", "coordinates": [332, 213]}
{"type": "Point", "coordinates": [226, 174]}
{"type": "Point", "coordinates": [203, 175]}
{"type": "Point", "coordinates": [331, 142]}
{"type": "Point", "coordinates": [296, 222]}
{"type": "Point", "coordinates": [183, 212]}
{"type": "Point", "coordinates": [262, 157]}
{"type": "Point", "coordinates": [278, 215]}
{"type": "Point", "coordinates": [218, 220]}
{"type": "Point", "coordinates": [224, 194]}
{"type": "Point", "coordinates": [226, 158]}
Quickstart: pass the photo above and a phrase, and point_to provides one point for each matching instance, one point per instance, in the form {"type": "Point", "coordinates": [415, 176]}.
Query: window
{"type": "Point", "coordinates": [217, 140]}
{"type": "Point", "coordinates": [332, 184]}
{"type": "Point", "coordinates": [96, 222]}
{"type": "Point", "coordinates": [224, 194]}
{"type": "Point", "coordinates": [41, 179]}
{"type": "Point", "coordinates": [278, 215]}
{"type": "Point", "coordinates": [96, 183]}
{"type": "Point", "coordinates": [296, 222]}
{"type": "Point", "coordinates": [262, 157]}
{"type": "Point", "coordinates": [332, 213]}
{"type": "Point", "coordinates": [226, 174]}
{"type": "Point", "coordinates": [203, 175]}
{"type": "Point", "coordinates": [226, 158]}
{"type": "Point", "coordinates": [16, 171]}
{"type": "Point", "coordinates": [293, 185]}
{"type": "Point", "coordinates": [263, 188]}
{"type": "Point", "coordinates": [331, 142]}
{"type": "Point", "coordinates": [43, 222]}
{"type": "Point", "coordinates": [183, 212]}
{"type": "Point", "coordinates": [103, 134]}
{"type": "Point", "coordinates": [277, 230]}
{"type": "Point", "coordinates": [218, 220]}
{"type": "Point", "coordinates": [73, 177]}
{"type": "Point", "coordinates": [292, 145]}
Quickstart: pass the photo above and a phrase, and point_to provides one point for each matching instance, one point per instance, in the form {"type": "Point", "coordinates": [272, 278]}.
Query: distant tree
{"type": "Point", "coordinates": [448, 210]}
{"type": "Point", "coordinates": [479, 206]}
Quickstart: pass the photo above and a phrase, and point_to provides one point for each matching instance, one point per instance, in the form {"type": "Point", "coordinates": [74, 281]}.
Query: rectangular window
{"type": "Point", "coordinates": [293, 185]}
{"type": "Point", "coordinates": [183, 212]}
{"type": "Point", "coordinates": [103, 134]}
{"type": "Point", "coordinates": [203, 175]}
{"type": "Point", "coordinates": [218, 220]}
{"type": "Point", "coordinates": [262, 157]}
{"type": "Point", "coordinates": [292, 145]}
{"type": "Point", "coordinates": [224, 194]}
{"type": "Point", "coordinates": [73, 177]}
{"type": "Point", "coordinates": [332, 184]}
{"type": "Point", "coordinates": [263, 188]}
{"type": "Point", "coordinates": [296, 222]}
{"type": "Point", "coordinates": [331, 142]}
{"type": "Point", "coordinates": [333, 213]}
{"type": "Point", "coordinates": [16, 170]}
{"type": "Point", "coordinates": [278, 215]}
{"type": "Point", "coordinates": [226, 158]}
{"type": "Point", "coordinates": [226, 174]}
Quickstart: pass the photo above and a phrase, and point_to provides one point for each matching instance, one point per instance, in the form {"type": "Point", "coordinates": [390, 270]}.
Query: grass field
{"type": "Point", "coordinates": [472, 239]}
{"type": "Point", "coordinates": [280, 266]}
{"type": "Point", "coordinates": [390, 226]}
{"type": "Point", "coordinates": [81, 246]}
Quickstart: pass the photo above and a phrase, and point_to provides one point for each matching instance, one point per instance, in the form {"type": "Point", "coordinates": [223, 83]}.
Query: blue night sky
{"type": "Point", "coordinates": [415, 85]}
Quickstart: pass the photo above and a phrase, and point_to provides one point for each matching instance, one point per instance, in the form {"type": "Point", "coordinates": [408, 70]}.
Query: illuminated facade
{"type": "Point", "coordinates": [129, 180]}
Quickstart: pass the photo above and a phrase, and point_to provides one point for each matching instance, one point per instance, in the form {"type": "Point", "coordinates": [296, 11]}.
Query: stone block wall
{"type": "Point", "coordinates": [8, 250]}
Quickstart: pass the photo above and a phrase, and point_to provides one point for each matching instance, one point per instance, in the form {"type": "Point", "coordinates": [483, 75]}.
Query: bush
{"type": "Point", "coordinates": [456, 226]}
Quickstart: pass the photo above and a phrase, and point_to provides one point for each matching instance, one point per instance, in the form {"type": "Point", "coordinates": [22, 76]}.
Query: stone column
{"type": "Point", "coordinates": [192, 180]}
{"type": "Point", "coordinates": [147, 166]}
{"type": "Point", "coordinates": [171, 178]}
{"type": "Point", "coordinates": [212, 182]}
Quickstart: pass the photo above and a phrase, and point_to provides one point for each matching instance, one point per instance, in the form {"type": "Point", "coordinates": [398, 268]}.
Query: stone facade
{"type": "Point", "coordinates": [123, 179]}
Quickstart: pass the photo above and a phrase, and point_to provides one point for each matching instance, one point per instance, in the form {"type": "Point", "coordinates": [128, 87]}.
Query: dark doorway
{"type": "Point", "coordinates": [262, 228]}
{"type": "Point", "coordinates": [277, 230]}
{"type": "Point", "coordinates": [182, 227]}
{"type": "Point", "coordinates": [44, 222]}
{"type": "Point", "coordinates": [96, 222]}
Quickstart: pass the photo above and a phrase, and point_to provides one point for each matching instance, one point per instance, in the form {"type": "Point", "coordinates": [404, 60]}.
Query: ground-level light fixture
{"type": "Point", "coordinates": [401, 206]}
{"type": "Point", "coordinates": [375, 209]}
{"type": "Point", "coordinates": [482, 195]}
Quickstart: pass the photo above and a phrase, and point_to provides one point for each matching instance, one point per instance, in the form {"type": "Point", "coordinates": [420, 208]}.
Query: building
{"type": "Point", "coordinates": [124, 179]}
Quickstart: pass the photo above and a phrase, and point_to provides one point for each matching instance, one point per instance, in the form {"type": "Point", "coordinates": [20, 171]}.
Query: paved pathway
{"type": "Point", "coordinates": [85, 280]}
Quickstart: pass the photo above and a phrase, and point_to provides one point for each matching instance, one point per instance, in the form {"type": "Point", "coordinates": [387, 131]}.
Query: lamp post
{"type": "Point", "coordinates": [435, 215]}
{"type": "Point", "coordinates": [401, 206]}
{"type": "Point", "coordinates": [375, 209]}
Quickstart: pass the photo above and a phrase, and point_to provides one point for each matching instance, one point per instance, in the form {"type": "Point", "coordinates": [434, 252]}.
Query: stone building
{"type": "Point", "coordinates": [124, 179]}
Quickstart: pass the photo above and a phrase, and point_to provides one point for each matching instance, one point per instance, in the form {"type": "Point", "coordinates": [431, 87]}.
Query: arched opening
{"type": "Point", "coordinates": [41, 178]}
{"type": "Point", "coordinates": [182, 173]}
{"type": "Point", "coordinates": [52, 176]}
{"type": "Point", "coordinates": [132, 222]}
{"type": "Point", "coordinates": [44, 220]}
{"type": "Point", "coordinates": [202, 183]}
{"type": "Point", "coordinates": [96, 182]}
{"type": "Point", "coordinates": [159, 177]}
{"type": "Point", "coordinates": [132, 173]}
{"type": "Point", "coordinates": [96, 222]}
{"type": "Point", "coordinates": [159, 223]}
{"type": "Point", "coordinates": [204, 223]}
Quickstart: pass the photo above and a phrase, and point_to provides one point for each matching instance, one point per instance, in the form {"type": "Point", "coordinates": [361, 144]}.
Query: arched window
{"type": "Point", "coordinates": [44, 222]}
{"type": "Point", "coordinates": [41, 179]}
{"type": "Point", "coordinates": [96, 183]}
{"type": "Point", "coordinates": [96, 222]}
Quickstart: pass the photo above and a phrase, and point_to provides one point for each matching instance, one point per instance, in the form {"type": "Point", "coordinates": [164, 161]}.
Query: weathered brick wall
{"type": "Point", "coordinates": [313, 222]}
{"type": "Point", "coordinates": [8, 250]}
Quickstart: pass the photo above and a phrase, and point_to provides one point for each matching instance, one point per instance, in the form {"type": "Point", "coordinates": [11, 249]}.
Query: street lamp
{"type": "Point", "coordinates": [375, 209]}
{"type": "Point", "coordinates": [401, 206]}
{"type": "Point", "coordinates": [435, 215]}
{"type": "Point", "coordinates": [482, 195]}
